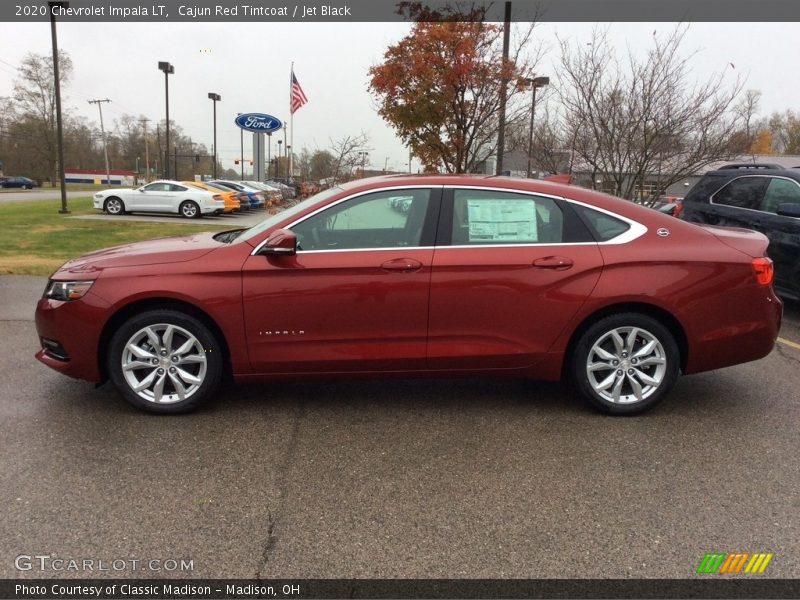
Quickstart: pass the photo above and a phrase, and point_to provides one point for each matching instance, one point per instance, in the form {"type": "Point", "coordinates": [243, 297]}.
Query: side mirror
{"type": "Point", "coordinates": [141, 189]}
{"type": "Point", "coordinates": [280, 242]}
{"type": "Point", "coordinates": [789, 209]}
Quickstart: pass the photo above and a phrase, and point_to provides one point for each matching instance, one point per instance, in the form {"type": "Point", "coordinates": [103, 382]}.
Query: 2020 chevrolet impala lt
{"type": "Point", "coordinates": [476, 276]}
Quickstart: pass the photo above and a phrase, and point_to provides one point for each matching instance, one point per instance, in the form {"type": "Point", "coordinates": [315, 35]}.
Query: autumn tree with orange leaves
{"type": "Point", "coordinates": [439, 87]}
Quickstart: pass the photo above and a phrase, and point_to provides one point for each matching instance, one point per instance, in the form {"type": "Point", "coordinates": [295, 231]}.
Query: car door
{"type": "Point", "coordinates": [736, 203]}
{"type": "Point", "coordinates": [147, 198]}
{"type": "Point", "coordinates": [355, 295]}
{"type": "Point", "coordinates": [783, 232]}
{"type": "Point", "coordinates": [510, 271]}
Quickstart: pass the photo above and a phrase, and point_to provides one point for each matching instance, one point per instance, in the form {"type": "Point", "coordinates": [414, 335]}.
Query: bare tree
{"type": "Point", "coordinates": [345, 155]}
{"type": "Point", "coordinates": [35, 102]}
{"type": "Point", "coordinates": [627, 120]}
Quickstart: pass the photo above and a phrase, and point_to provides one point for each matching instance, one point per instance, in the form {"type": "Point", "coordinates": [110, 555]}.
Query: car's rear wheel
{"type": "Point", "coordinates": [165, 361]}
{"type": "Point", "coordinates": [190, 210]}
{"type": "Point", "coordinates": [114, 206]}
{"type": "Point", "coordinates": [625, 363]}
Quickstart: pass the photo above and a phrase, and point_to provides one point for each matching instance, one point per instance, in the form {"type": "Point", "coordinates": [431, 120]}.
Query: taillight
{"type": "Point", "coordinates": [678, 209]}
{"type": "Point", "coordinates": [218, 198]}
{"type": "Point", "coordinates": [764, 271]}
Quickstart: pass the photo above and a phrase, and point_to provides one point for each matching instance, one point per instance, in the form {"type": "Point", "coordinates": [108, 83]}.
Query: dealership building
{"type": "Point", "coordinates": [98, 176]}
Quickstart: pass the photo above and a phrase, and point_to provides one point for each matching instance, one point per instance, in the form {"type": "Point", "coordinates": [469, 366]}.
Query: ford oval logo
{"type": "Point", "coordinates": [258, 122]}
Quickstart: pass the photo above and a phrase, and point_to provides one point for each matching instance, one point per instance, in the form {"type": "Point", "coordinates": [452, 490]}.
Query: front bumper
{"type": "Point", "coordinates": [70, 335]}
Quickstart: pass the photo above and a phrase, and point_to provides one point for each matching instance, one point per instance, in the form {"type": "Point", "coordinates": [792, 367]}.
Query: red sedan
{"type": "Point", "coordinates": [409, 276]}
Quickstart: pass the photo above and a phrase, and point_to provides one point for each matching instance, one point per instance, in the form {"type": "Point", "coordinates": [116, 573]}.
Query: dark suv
{"type": "Point", "coordinates": [763, 197]}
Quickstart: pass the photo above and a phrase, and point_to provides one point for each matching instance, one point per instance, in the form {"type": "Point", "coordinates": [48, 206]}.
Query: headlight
{"type": "Point", "coordinates": [67, 290]}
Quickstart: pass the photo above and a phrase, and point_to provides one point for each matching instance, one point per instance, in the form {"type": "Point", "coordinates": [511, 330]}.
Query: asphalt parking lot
{"type": "Point", "coordinates": [400, 479]}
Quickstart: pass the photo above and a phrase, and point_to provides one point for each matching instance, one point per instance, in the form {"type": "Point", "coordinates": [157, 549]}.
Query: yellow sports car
{"type": "Point", "coordinates": [232, 203]}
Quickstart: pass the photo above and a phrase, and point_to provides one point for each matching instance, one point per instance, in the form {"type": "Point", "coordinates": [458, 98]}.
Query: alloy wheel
{"type": "Point", "coordinates": [626, 365]}
{"type": "Point", "coordinates": [163, 363]}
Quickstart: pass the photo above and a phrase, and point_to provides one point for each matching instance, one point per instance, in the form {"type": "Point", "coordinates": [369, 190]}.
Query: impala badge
{"type": "Point", "coordinates": [663, 232]}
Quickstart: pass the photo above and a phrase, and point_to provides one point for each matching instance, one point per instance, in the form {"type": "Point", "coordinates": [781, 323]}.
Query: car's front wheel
{"type": "Point", "coordinates": [114, 206]}
{"type": "Point", "coordinates": [165, 361]}
{"type": "Point", "coordinates": [190, 210]}
{"type": "Point", "coordinates": [625, 363]}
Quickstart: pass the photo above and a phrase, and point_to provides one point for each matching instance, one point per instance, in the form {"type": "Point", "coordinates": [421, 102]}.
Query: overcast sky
{"type": "Point", "coordinates": [249, 64]}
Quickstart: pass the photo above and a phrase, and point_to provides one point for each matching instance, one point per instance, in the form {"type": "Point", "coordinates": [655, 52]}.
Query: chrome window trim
{"type": "Point", "coordinates": [356, 195]}
{"type": "Point", "coordinates": [635, 230]}
{"type": "Point", "coordinates": [757, 210]}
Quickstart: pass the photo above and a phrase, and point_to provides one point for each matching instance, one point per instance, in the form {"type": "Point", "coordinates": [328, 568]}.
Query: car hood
{"type": "Point", "coordinates": [151, 252]}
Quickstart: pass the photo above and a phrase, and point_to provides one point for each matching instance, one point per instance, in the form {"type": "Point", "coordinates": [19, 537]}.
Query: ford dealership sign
{"type": "Point", "coordinates": [258, 122]}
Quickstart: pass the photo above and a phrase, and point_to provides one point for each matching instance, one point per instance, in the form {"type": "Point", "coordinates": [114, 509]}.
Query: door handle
{"type": "Point", "coordinates": [557, 263]}
{"type": "Point", "coordinates": [402, 265]}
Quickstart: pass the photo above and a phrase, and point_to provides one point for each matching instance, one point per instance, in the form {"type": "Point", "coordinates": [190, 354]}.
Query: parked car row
{"type": "Point", "coordinates": [190, 199]}
{"type": "Point", "coordinates": [18, 182]}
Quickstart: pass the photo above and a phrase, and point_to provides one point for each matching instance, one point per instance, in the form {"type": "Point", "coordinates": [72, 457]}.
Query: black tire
{"type": "Point", "coordinates": [607, 369]}
{"type": "Point", "coordinates": [190, 210]}
{"type": "Point", "coordinates": [181, 379]}
{"type": "Point", "coordinates": [114, 206]}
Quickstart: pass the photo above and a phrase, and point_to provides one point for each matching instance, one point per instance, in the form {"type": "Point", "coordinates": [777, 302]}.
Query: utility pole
{"type": "Point", "coordinates": [146, 150]}
{"type": "Point", "coordinates": [103, 135]}
{"type": "Point", "coordinates": [59, 127]}
{"type": "Point", "coordinates": [501, 134]}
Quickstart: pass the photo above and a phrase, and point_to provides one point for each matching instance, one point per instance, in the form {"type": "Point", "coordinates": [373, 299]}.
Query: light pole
{"type": "Point", "coordinates": [241, 142]}
{"type": "Point", "coordinates": [168, 70]}
{"type": "Point", "coordinates": [59, 127]}
{"type": "Point", "coordinates": [137, 170]}
{"type": "Point", "coordinates": [288, 163]}
{"type": "Point", "coordinates": [278, 162]}
{"type": "Point", "coordinates": [536, 82]}
{"type": "Point", "coordinates": [214, 99]}
{"type": "Point", "coordinates": [269, 151]}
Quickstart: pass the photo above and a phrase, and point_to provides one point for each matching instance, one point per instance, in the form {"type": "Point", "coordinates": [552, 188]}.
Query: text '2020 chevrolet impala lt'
{"type": "Point", "coordinates": [462, 276]}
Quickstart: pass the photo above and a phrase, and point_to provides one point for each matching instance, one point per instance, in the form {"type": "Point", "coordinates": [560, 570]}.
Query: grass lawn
{"type": "Point", "coordinates": [36, 240]}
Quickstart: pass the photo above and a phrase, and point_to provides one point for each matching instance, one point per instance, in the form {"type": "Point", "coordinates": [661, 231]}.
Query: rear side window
{"type": "Point", "coordinates": [744, 192]}
{"type": "Point", "coordinates": [604, 226]}
{"type": "Point", "coordinates": [495, 217]}
{"type": "Point", "coordinates": [780, 191]}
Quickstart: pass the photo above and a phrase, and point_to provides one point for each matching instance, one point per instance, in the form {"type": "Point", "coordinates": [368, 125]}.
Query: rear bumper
{"type": "Point", "coordinates": [748, 333]}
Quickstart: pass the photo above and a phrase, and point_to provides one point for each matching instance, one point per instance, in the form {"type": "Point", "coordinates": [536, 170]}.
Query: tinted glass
{"type": "Point", "coordinates": [744, 192]}
{"type": "Point", "coordinates": [604, 226]}
{"type": "Point", "coordinates": [780, 191]}
{"type": "Point", "coordinates": [157, 187]}
{"type": "Point", "coordinates": [176, 188]}
{"type": "Point", "coordinates": [386, 219]}
{"type": "Point", "coordinates": [490, 217]}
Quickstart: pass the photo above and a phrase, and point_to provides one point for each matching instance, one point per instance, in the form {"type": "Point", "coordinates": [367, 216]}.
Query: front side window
{"type": "Point", "coordinates": [495, 217]}
{"type": "Point", "coordinates": [744, 192]}
{"type": "Point", "coordinates": [384, 219]}
{"type": "Point", "coordinates": [780, 191]}
{"type": "Point", "coordinates": [157, 187]}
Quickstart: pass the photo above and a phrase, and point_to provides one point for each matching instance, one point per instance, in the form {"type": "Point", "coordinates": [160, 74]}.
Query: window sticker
{"type": "Point", "coordinates": [501, 221]}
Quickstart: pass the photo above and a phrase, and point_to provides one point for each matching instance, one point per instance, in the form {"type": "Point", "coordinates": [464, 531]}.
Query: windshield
{"type": "Point", "coordinates": [288, 213]}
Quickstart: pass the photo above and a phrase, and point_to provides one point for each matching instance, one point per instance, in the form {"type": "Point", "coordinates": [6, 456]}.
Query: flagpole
{"type": "Point", "coordinates": [291, 126]}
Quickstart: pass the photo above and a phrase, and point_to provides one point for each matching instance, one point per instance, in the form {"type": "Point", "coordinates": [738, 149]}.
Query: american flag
{"type": "Point", "coordinates": [298, 97]}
